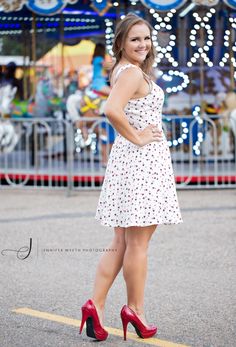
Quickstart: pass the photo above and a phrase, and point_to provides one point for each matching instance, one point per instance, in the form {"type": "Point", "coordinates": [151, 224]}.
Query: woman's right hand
{"type": "Point", "coordinates": [150, 134]}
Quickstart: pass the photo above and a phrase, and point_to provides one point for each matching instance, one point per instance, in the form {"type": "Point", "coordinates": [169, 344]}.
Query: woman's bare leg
{"type": "Point", "coordinates": [135, 266]}
{"type": "Point", "coordinates": [108, 268]}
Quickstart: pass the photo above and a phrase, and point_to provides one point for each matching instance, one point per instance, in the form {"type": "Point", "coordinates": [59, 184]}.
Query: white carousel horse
{"type": "Point", "coordinates": [88, 104]}
{"type": "Point", "coordinates": [233, 122]}
{"type": "Point", "coordinates": [229, 115]}
{"type": "Point", "coordinates": [8, 135]}
{"type": "Point", "coordinates": [7, 93]}
{"type": "Point", "coordinates": [230, 102]}
{"type": "Point", "coordinates": [79, 103]}
{"type": "Point", "coordinates": [73, 105]}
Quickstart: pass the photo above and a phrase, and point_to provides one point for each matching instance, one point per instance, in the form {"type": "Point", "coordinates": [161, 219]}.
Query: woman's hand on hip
{"type": "Point", "coordinates": [150, 134]}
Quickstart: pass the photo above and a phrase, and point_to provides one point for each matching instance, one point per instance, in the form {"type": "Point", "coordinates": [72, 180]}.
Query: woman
{"type": "Point", "coordinates": [138, 192]}
{"type": "Point", "coordinates": [99, 82]}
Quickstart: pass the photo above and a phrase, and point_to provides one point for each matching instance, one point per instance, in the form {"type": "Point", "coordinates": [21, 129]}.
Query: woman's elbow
{"type": "Point", "coordinates": [110, 112]}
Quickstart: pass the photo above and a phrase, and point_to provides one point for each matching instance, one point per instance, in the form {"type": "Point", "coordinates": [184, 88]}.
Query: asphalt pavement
{"type": "Point", "coordinates": [50, 244]}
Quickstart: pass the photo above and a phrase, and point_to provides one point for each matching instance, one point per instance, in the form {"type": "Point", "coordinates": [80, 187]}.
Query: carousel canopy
{"type": "Point", "coordinates": [86, 18]}
{"type": "Point", "coordinates": [52, 7]}
{"type": "Point", "coordinates": [183, 30]}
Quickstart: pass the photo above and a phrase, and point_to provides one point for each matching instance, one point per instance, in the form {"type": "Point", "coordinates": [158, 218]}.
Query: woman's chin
{"type": "Point", "coordinates": [140, 60]}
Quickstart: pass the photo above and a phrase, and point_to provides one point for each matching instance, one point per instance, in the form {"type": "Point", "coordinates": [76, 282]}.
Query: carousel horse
{"type": "Point", "coordinates": [89, 104]}
{"type": "Point", "coordinates": [7, 93]}
{"type": "Point", "coordinates": [226, 123]}
{"type": "Point", "coordinates": [229, 115]}
{"type": "Point", "coordinates": [8, 135]}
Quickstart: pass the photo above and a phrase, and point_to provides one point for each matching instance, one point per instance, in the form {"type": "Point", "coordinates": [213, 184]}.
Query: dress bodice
{"type": "Point", "coordinates": [145, 110]}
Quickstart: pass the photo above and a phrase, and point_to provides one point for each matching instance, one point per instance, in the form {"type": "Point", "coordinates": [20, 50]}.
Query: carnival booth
{"type": "Point", "coordinates": [195, 66]}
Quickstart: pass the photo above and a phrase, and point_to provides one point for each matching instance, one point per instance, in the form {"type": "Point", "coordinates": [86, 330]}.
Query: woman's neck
{"type": "Point", "coordinates": [124, 61]}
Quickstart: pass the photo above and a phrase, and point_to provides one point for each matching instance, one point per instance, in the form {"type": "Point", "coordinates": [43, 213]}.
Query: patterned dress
{"type": "Point", "coordinates": [139, 186]}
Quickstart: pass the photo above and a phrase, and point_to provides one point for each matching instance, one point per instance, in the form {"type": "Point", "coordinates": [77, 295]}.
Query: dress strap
{"type": "Point", "coordinates": [122, 68]}
{"type": "Point", "coordinates": [126, 66]}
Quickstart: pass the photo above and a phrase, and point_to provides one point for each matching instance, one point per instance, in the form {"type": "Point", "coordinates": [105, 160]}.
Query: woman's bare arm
{"type": "Point", "coordinates": [124, 89]}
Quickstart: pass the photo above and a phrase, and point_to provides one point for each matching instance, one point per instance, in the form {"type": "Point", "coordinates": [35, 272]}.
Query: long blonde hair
{"type": "Point", "coordinates": [122, 29]}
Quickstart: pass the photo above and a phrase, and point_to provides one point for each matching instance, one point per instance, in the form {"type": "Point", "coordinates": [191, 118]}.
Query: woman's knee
{"type": "Point", "coordinates": [119, 237]}
{"type": "Point", "coordinates": [139, 236]}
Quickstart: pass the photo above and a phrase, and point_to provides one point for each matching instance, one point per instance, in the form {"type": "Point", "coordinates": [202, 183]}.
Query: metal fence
{"type": "Point", "coordinates": [51, 153]}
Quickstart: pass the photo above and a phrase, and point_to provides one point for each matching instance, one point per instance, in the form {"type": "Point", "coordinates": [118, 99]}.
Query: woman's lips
{"type": "Point", "coordinates": [141, 51]}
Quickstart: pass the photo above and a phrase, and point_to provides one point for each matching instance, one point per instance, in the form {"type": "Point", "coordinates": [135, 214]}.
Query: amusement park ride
{"type": "Point", "coordinates": [195, 62]}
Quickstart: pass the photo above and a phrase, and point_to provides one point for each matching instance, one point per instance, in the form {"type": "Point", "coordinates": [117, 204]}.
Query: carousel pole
{"type": "Point", "coordinates": [231, 58]}
{"type": "Point", "coordinates": [191, 82]}
{"type": "Point", "coordinates": [34, 53]}
{"type": "Point", "coordinates": [34, 155]}
{"type": "Point", "coordinates": [117, 14]}
{"type": "Point", "coordinates": [65, 143]}
{"type": "Point", "coordinates": [62, 54]}
{"type": "Point", "coordinates": [126, 6]}
{"type": "Point", "coordinates": [25, 84]}
{"type": "Point", "coordinates": [191, 89]}
{"type": "Point", "coordinates": [201, 73]}
{"type": "Point", "coordinates": [202, 108]}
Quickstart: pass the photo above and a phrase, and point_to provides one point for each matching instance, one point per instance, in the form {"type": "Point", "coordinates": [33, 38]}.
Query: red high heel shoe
{"type": "Point", "coordinates": [129, 316]}
{"type": "Point", "coordinates": [93, 326]}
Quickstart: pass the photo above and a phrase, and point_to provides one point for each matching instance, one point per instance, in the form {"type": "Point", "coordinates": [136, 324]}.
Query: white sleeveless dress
{"type": "Point", "coordinates": [139, 186]}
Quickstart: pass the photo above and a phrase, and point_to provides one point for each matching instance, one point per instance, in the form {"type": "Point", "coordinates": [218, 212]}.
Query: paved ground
{"type": "Point", "coordinates": [190, 289]}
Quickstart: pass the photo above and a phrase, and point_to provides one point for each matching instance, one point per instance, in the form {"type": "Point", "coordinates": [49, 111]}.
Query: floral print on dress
{"type": "Point", "coordinates": [139, 185]}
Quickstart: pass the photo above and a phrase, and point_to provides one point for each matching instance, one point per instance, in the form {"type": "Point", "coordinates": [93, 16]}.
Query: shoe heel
{"type": "Point", "coordinates": [85, 315]}
{"type": "Point", "coordinates": [125, 324]}
{"type": "Point", "coordinates": [93, 325]}
{"type": "Point", "coordinates": [129, 316]}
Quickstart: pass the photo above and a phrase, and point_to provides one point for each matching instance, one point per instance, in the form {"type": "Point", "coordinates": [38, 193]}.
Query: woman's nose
{"type": "Point", "coordinates": [142, 43]}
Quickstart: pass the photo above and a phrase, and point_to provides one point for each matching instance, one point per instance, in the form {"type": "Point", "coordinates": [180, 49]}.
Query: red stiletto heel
{"type": "Point", "coordinates": [93, 325]}
{"type": "Point", "coordinates": [125, 324]}
{"type": "Point", "coordinates": [129, 316]}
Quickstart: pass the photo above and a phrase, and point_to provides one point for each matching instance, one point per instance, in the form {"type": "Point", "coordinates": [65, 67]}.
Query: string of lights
{"type": "Point", "coordinates": [182, 137]}
{"type": "Point", "coordinates": [163, 24]}
{"type": "Point", "coordinates": [109, 35]}
{"type": "Point", "coordinates": [202, 23]}
{"type": "Point", "coordinates": [226, 55]}
{"type": "Point", "coordinates": [48, 19]}
{"type": "Point", "coordinates": [169, 77]}
{"type": "Point", "coordinates": [197, 144]}
{"type": "Point", "coordinates": [185, 131]}
{"type": "Point", "coordinates": [48, 30]}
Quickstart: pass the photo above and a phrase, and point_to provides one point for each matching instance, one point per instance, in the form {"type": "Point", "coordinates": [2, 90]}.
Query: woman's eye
{"type": "Point", "coordinates": [146, 38]}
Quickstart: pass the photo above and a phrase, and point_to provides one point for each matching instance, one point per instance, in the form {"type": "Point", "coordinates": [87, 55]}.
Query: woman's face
{"type": "Point", "coordinates": [137, 44]}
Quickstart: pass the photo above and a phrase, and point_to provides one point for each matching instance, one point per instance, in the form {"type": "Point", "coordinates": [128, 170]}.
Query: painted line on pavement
{"type": "Point", "coordinates": [75, 322]}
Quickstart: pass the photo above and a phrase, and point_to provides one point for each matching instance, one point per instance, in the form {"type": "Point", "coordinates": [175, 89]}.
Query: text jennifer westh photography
{"type": "Point", "coordinates": [77, 250]}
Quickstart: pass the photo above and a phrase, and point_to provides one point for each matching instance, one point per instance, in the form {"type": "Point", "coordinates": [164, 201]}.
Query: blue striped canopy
{"type": "Point", "coordinates": [163, 5]}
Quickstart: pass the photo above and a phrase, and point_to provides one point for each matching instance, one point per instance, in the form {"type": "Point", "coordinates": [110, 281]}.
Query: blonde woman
{"type": "Point", "coordinates": [138, 192]}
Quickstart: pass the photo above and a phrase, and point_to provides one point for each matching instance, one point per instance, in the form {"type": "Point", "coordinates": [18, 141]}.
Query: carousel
{"type": "Point", "coordinates": [52, 123]}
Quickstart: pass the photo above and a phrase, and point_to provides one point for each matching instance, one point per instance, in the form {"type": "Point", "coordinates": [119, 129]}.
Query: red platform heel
{"type": "Point", "coordinates": [93, 326]}
{"type": "Point", "coordinates": [129, 316]}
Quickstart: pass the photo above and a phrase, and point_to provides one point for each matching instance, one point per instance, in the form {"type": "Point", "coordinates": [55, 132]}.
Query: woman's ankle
{"type": "Point", "coordinates": [139, 310]}
{"type": "Point", "coordinates": [100, 305]}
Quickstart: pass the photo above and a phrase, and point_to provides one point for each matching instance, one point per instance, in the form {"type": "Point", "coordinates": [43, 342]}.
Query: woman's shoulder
{"type": "Point", "coordinates": [126, 67]}
{"type": "Point", "coordinates": [129, 70]}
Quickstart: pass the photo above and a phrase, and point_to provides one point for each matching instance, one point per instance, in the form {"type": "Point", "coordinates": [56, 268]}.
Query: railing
{"type": "Point", "coordinates": [51, 153]}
